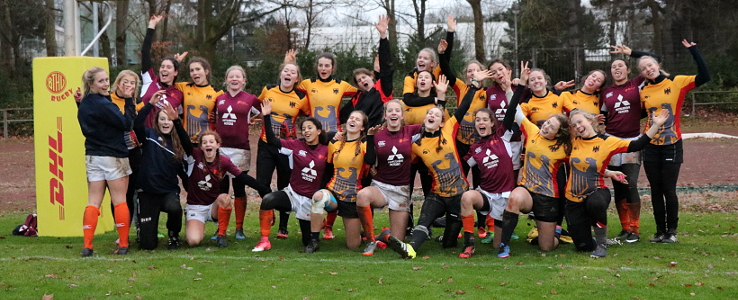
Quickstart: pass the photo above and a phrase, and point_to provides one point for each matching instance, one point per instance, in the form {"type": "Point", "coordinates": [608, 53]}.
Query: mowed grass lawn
{"type": "Point", "coordinates": [702, 265]}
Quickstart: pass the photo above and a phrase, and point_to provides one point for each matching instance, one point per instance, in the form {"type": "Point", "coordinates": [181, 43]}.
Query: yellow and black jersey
{"type": "Point", "coordinates": [588, 161]}
{"type": "Point", "coordinates": [539, 109]}
{"type": "Point", "coordinates": [582, 101]}
{"type": "Point", "coordinates": [668, 94]}
{"type": "Point", "coordinates": [325, 97]}
{"type": "Point", "coordinates": [448, 178]}
{"type": "Point", "coordinates": [543, 158]}
{"type": "Point", "coordinates": [348, 168]}
{"type": "Point", "coordinates": [409, 83]}
{"type": "Point", "coordinates": [467, 133]}
{"type": "Point", "coordinates": [197, 106]}
{"type": "Point", "coordinates": [285, 109]}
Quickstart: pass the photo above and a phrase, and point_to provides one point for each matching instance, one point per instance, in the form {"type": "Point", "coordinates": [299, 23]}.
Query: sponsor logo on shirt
{"type": "Point", "coordinates": [308, 173]}
{"type": "Point", "coordinates": [205, 185]}
{"type": "Point", "coordinates": [395, 159]}
{"type": "Point", "coordinates": [229, 118]}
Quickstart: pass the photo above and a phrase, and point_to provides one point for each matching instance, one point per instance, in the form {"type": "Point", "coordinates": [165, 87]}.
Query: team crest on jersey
{"type": "Point", "coordinates": [221, 102]}
{"type": "Point", "coordinates": [490, 159]}
{"type": "Point", "coordinates": [335, 91]}
{"type": "Point", "coordinates": [381, 143]}
{"type": "Point", "coordinates": [205, 185]}
{"type": "Point", "coordinates": [554, 148]}
{"type": "Point", "coordinates": [293, 104]}
{"type": "Point", "coordinates": [493, 97]}
{"type": "Point", "coordinates": [201, 166]}
{"type": "Point", "coordinates": [555, 105]}
{"type": "Point", "coordinates": [229, 118]}
{"type": "Point", "coordinates": [302, 153]}
{"type": "Point", "coordinates": [477, 150]}
{"type": "Point", "coordinates": [314, 91]}
{"type": "Point", "coordinates": [425, 151]}
{"type": "Point", "coordinates": [667, 91]}
{"type": "Point", "coordinates": [209, 96]}
{"type": "Point", "coordinates": [596, 149]}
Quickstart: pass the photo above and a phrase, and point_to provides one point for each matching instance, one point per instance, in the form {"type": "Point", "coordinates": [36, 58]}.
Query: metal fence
{"type": "Point", "coordinates": [7, 113]}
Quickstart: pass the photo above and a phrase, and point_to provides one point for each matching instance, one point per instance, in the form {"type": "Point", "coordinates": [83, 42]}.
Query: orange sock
{"type": "Point", "coordinates": [266, 219]}
{"type": "Point", "coordinates": [622, 207]}
{"type": "Point", "coordinates": [331, 219]}
{"type": "Point", "coordinates": [490, 223]}
{"type": "Point", "coordinates": [89, 223]}
{"type": "Point", "coordinates": [122, 222]}
{"type": "Point", "coordinates": [367, 221]}
{"type": "Point", "coordinates": [224, 216]}
{"type": "Point", "coordinates": [239, 205]}
{"type": "Point", "coordinates": [468, 223]}
{"type": "Point", "coordinates": [634, 211]}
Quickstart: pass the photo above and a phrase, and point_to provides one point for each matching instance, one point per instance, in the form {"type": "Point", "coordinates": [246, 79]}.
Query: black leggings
{"type": "Point", "coordinates": [149, 206]}
{"type": "Point", "coordinates": [628, 192]}
{"type": "Point", "coordinates": [582, 216]}
{"type": "Point", "coordinates": [281, 202]}
{"type": "Point", "coordinates": [267, 160]}
{"type": "Point", "coordinates": [436, 206]}
{"type": "Point", "coordinates": [663, 177]}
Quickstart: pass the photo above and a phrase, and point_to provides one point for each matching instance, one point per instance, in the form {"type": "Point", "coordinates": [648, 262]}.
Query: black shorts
{"type": "Point", "coordinates": [452, 205]}
{"type": "Point", "coordinates": [673, 153]}
{"type": "Point", "coordinates": [347, 210]}
{"type": "Point", "coordinates": [545, 208]}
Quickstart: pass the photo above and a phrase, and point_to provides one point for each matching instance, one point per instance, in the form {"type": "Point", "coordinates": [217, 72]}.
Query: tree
{"type": "Point", "coordinates": [121, 26]}
{"type": "Point", "coordinates": [15, 27]}
{"type": "Point", "coordinates": [50, 29]}
{"type": "Point", "coordinates": [479, 52]}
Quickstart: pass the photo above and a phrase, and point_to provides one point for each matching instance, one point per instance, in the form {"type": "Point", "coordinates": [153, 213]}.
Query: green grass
{"type": "Point", "coordinates": [704, 262]}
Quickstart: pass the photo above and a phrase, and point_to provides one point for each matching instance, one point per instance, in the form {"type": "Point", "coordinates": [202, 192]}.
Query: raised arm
{"type": "Point", "coordinates": [643, 140]}
{"type": "Point", "coordinates": [146, 62]}
{"type": "Point", "coordinates": [266, 110]}
{"type": "Point", "coordinates": [385, 56]}
{"type": "Point", "coordinates": [703, 73]}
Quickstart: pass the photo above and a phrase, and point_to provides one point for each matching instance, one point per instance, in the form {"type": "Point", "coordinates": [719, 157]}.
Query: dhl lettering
{"type": "Point", "coordinates": [56, 183]}
{"type": "Point", "coordinates": [68, 93]}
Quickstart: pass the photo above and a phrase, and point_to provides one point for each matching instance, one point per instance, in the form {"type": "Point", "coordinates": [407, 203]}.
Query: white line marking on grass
{"type": "Point", "coordinates": [708, 135]}
{"type": "Point", "coordinates": [510, 264]}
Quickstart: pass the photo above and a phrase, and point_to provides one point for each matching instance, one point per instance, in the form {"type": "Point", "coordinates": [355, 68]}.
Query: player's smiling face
{"type": "Point", "coordinates": [537, 82]}
{"type": "Point", "coordinates": [500, 73]}
{"type": "Point", "coordinates": [167, 72]}
{"type": "Point", "coordinates": [209, 145]}
{"type": "Point", "coordinates": [310, 132]}
{"type": "Point", "coordinates": [393, 114]}
{"type": "Point", "coordinates": [471, 69]}
{"type": "Point", "coordinates": [593, 82]}
{"type": "Point", "coordinates": [165, 125]}
{"type": "Point", "coordinates": [100, 84]}
{"type": "Point", "coordinates": [325, 68]}
{"type": "Point", "coordinates": [433, 119]}
{"type": "Point", "coordinates": [425, 61]}
{"type": "Point", "coordinates": [550, 128]}
{"type": "Point", "coordinates": [288, 76]}
{"type": "Point", "coordinates": [355, 123]}
{"type": "Point", "coordinates": [198, 74]}
{"type": "Point", "coordinates": [235, 80]}
{"type": "Point", "coordinates": [582, 126]}
{"type": "Point", "coordinates": [484, 124]}
{"type": "Point", "coordinates": [649, 68]}
{"type": "Point", "coordinates": [424, 81]}
{"type": "Point", "coordinates": [619, 70]}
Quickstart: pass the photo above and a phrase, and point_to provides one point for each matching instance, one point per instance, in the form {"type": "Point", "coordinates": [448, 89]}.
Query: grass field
{"type": "Point", "coordinates": [703, 265]}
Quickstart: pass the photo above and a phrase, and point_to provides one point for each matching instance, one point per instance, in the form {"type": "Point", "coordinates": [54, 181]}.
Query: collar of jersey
{"type": "Point", "coordinates": [658, 79]}
{"type": "Point", "coordinates": [544, 96]}
{"type": "Point", "coordinates": [432, 134]}
{"type": "Point", "coordinates": [330, 78]}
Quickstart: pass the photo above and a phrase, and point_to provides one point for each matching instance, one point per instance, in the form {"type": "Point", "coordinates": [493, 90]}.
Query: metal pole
{"type": "Point", "coordinates": [95, 28]}
{"type": "Point", "coordinates": [71, 48]}
{"type": "Point", "coordinates": [516, 62]}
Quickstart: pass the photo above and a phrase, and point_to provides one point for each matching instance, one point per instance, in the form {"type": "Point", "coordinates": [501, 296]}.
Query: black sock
{"type": "Point", "coordinates": [509, 222]}
{"type": "Point", "coordinates": [315, 235]}
{"type": "Point", "coordinates": [468, 239]}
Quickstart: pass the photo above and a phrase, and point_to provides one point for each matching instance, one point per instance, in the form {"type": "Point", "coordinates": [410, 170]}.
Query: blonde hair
{"type": "Point", "coordinates": [89, 76]}
{"type": "Point", "coordinates": [122, 74]}
{"type": "Point", "coordinates": [590, 117]}
{"type": "Point", "coordinates": [235, 68]}
{"type": "Point", "coordinates": [661, 70]}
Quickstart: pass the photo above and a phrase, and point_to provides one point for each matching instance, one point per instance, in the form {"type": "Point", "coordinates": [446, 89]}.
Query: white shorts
{"type": "Point", "coordinates": [240, 157]}
{"type": "Point", "coordinates": [101, 168]}
{"type": "Point", "coordinates": [397, 196]}
{"type": "Point", "coordinates": [497, 203]}
{"type": "Point", "coordinates": [620, 159]}
{"type": "Point", "coordinates": [301, 205]}
{"type": "Point", "coordinates": [202, 213]}
{"type": "Point", "coordinates": [516, 148]}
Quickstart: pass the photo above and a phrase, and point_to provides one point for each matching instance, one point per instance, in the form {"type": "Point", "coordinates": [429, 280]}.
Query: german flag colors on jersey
{"type": "Point", "coordinates": [543, 158]}
{"type": "Point", "coordinates": [325, 97]}
{"type": "Point", "coordinates": [197, 106]}
{"type": "Point", "coordinates": [668, 94]}
{"type": "Point", "coordinates": [582, 101]}
{"type": "Point", "coordinates": [348, 168]}
{"type": "Point", "coordinates": [467, 133]}
{"type": "Point", "coordinates": [588, 161]}
{"type": "Point", "coordinates": [539, 109]}
{"type": "Point", "coordinates": [448, 178]}
{"type": "Point", "coordinates": [285, 109]}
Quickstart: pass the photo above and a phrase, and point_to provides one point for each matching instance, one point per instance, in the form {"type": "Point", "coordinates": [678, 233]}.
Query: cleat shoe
{"type": "Point", "coordinates": [489, 238]}
{"type": "Point", "coordinates": [600, 251]}
{"type": "Point", "coordinates": [117, 242]}
{"type": "Point", "coordinates": [240, 235]}
{"type": "Point", "coordinates": [215, 235]}
{"type": "Point", "coordinates": [658, 238]}
{"type": "Point", "coordinates": [221, 241]}
{"type": "Point", "coordinates": [369, 250]}
{"type": "Point", "coordinates": [121, 251]}
{"type": "Point", "coordinates": [282, 233]}
{"type": "Point", "coordinates": [86, 252]}
{"type": "Point", "coordinates": [613, 241]}
{"type": "Point", "coordinates": [312, 246]}
{"type": "Point", "coordinates": [328, 235]}
{"type": "Point", "coordinates": [623, 235]}
{"type": "Point", "coordinates": [405, 250]}
{"type": "Point", "coordinates": [669, 238]}
{"type": "Point", "coordinates": [632, 238]}
{"type": "Point", "coordinates": [382, 237]}
{"type": "Point", "coordinates": [514, 236]}
{"type": "Point", "coordinates": [504, 251]}
{"type": "Point", "coordinates": [173, 243]}
{"type": "Point", "coordinates": [468, 251]}
{"type": "Point", "coordinates": [381, 245]}
{"type": "Point", "coordinates": [481, 232]}
{"type": "Point", "coordinates": [263, 245]}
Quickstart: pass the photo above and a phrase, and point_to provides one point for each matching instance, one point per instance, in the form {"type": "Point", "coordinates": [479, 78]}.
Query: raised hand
{"type": "Point", "coordinates": [376, 64]}
{"type": "Point", "coordinates": [621, 49]}
{"type": "Point", "coordinates": [290, 56]}
{"type": "Point", "coordinates": [562, 85]}
{"type": "Point", "coordinates": [661, 118]}
{"type": "Point", "coordinates": [450, 24]}
{"type": "Point", "coordinates": [180, 57]}
{"type": "Point", "coordinates": [688, 44]}
{"type": "Point", "coordinates": [158, 96]}
{"type": "Point", "coordinates": [442, 46]}
{"type": "Point", "coordinates": [382, 25]}
{"type": "Point", "coordinates": [441, 85]}
{"type": "Point", "coordinates": [482, 75]}
{"type": "Point", "coordinates": [524, 72]}
{"type": "Point", "coordinates": [154, 20]}
{"type": "Point", "coordinates": [266, 107]}
{"type": "Point", "coordinates": [375, 129]}
{"type": "Point", "coordinates": [170, 112]}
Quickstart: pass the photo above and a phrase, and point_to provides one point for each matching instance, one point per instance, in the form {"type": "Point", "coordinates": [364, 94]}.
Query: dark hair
{"type": "Point", "coordinates": [441, 139]}
{"type": "Point", "coordinates": [361, 71]}
{"type": "Point", "coordinates": [177, 148]}
{"type": "Point", "coordinates": [322, 138]}
{"type": "Point", "coordinates": [605, 81]}
{"type": "Point", "coordinates": [563, 137]}
{"type": "Point", "coordinates": [204, 63]}
{"type": "Point", "coordinates": [498, 61]}
{"type": "Point", "coordinates": [433, 79]}
{"type": "Point", "coordinates": [326, 55]}
{"type": "Point", "coordinates": [218, 175]}
{"type": "Point", "coordinates": [495, 122]}
{"type": "Point", "coordinates": [175, 63]}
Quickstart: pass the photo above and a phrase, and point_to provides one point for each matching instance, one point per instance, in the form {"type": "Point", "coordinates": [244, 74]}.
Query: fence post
{"type": "Point", "coordinates": [5, 123]}
{"type": "Point", "coordinates": [693, 105]}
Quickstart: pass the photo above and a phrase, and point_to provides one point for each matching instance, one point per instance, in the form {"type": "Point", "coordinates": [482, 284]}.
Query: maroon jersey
{"type": "Point", "coordinates": [623, 106]}
{"type": "Point", "coordinates": [204, 178]}
{"type": "Point", "coordinates": [307, 164]}
{"type": "Point", "coordinates": [150, 85]}
{"type": "Point", "coordinates": [394, 153]}
{"type": "Point", "coordinates": [232, 116]}
{"type": "Point", "coordinates": [493, 155]}
{"type": "Point", "coordinates": [498, 103]}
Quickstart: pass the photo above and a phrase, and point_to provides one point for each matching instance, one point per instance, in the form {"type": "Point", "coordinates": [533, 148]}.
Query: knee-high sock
{"type": "Point", "coordinates": [490, 223]}
{"type": "Point", "coordinates": [468, 223]}
{"type": "Point", "coordinates": [600, 234]}
{"type": "Point", "coordinates": [623, 213]}
{"type": "Point", "coordinates": [331, 219]}
{"type": "Point", "coordinates": [89, 223]}
{"type": "Point", "coordinates": [239, 205]}
{"type": "Point", "coordinates": [509, 222]}
{"type": "Point", "coordinates": [634, 211]}
{"type": "Point", "coordinates": [224, 217]}
{"type": "Point", "coordinates": [122, 222]}
{"type": "Point", "coordinates": [266, 218]}
{"type": "Point", "coordinates": [284, 218]}
{"type": "Point", "coordinates": [367, 221]}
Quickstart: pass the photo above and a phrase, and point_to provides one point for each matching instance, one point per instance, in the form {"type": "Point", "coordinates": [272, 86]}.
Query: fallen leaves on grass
{"type": "Point", "coordinates": [47, 297]}
{"type": "Point", "coordinates": [51, 276]}
{"type": "Point", "coordinates": [417, 268]}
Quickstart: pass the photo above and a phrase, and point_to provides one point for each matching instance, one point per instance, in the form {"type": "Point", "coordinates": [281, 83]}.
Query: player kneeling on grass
{"type": "Point", "coordinates": [308, 163]}
{"type": "Point", "coordinates": [206, 198]}
{"type": "Point", "coordinates": [493, 154]}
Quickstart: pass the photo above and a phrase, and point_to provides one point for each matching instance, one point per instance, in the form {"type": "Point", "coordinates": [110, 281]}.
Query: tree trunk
{"type": "Point", "coordinates": [575, 41]}
{"type": "Point", "coordinates": [667, 42]}
{"type": "Point", "coordinates": [50, 32]}
{"type": "Point", "coordinates": [163, 34]}
{"type": "Point", "coordinates": [310, 18]}
{"type": "Point", "coordinates": [121, 13]}
{"type": "Point", "coordinates": [657, 24]}
{"type": "Point", "coordinates": [479, 52]}
{"type": "Point", "coordinates": [389, 7]}
{"type": "Point", "coordinates": [613, 11]}
{"type": "Point", "coordinates": [419, 6]}
{"type": "Point", "coordinates": [104, 39]}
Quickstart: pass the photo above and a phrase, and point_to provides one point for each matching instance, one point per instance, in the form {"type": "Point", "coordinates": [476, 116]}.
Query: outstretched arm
{"type": "Point", "coordinates": [703, 73]}
{"type": "Point", "coordinates": [385, 56]}
{"type": "Point", "coordinates": [146, 62]}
